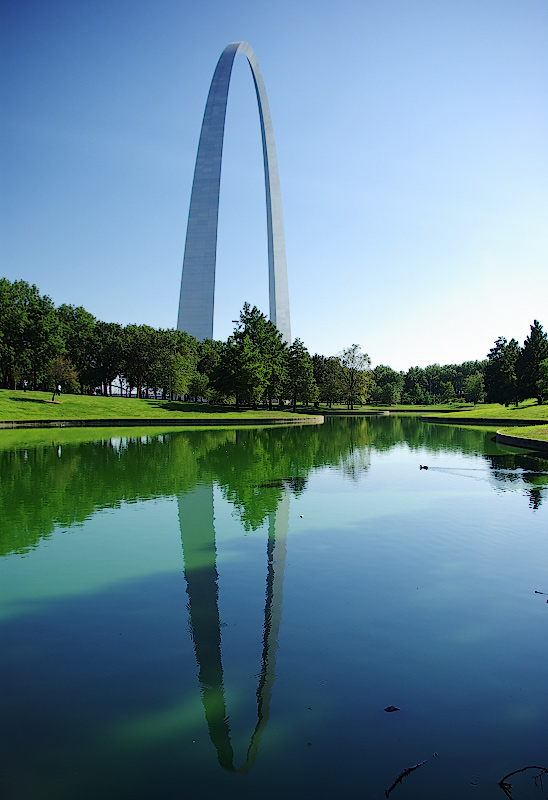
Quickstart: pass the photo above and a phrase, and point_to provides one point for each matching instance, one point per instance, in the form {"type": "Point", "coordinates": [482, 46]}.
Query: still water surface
{"type": "Point", "coordinates": [227, 613]}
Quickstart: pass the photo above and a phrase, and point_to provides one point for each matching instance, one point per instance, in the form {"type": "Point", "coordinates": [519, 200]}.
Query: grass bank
{"type": "Point", "coordinates": [34, 406]}
{"type": "Point", "coordinates": [528, 410]}
{"type": "Point", "coordinates": [529, 432]}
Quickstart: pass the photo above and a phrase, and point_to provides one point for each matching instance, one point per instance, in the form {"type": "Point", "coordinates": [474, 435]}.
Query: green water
{"type": "Point", "coordinates": [226, 613]}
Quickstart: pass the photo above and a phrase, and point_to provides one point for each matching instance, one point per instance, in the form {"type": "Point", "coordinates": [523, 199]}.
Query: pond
{"type": "Point", "coordinates": [230, 612]}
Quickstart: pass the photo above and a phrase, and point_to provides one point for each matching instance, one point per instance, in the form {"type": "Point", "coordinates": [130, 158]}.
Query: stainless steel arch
{"type": "Point", "coordinates": [198, 281]}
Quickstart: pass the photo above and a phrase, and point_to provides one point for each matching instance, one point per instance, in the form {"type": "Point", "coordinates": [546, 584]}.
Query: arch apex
{"type": "Point", "coordinates": [196, 302]}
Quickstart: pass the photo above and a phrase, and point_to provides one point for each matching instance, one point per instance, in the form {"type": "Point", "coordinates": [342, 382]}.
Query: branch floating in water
{"type": "Point", "coordinates": [403, 775]}
{"type": "Point", "coordinates": [507, 787]}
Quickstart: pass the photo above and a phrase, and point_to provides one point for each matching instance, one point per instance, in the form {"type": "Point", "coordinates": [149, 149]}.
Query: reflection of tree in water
{"type": "Point", "coordinates": [50, 485]}
{"type": "Point", "coordinates": [256, 467]}
{"type": "Point", "coordinates": [509, 470]}
{"type": "Point", "coordinates": [517, 469]}
{"type": "Point", "coordinates": [45, 485]}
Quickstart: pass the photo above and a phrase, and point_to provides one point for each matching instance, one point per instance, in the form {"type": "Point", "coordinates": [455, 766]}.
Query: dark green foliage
{"type": "Point", "coordinates": [500, 372]}
{"type": "Point", "coordinates": [253, 362]}
{"type": "Point", "coordinates": [388, 385]}
{"type": "Point", "coordinates": [254, 366]}
{"type": "Point", "coordinates": [474, 388]}
{"type": "Point", "coordinates": [78, 330]}
{"type": "Point", "coordinates": [533, 353]}
{"type": "Point", "coordinates": [301, 386]}
{"type": "Point", "coordinates": [30, 334]}
{"type": "Point", "coordinates": [61, 372]}
{"type": "Point", "coordinates": [542, 383]}
{"type": "Point", "coordinates": [107, 355]}
{"type": "Point", "coordinates": [327, 376]}
{"type": "Point", "coordinates": [355, 376]}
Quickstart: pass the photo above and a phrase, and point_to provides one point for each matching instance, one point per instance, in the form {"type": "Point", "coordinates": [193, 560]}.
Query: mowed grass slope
{"type": "Point", "coordinates": [528, 432]}
{"type": "Point", "coordinates": [19, 405]}
{"type": "Point", "coordinates": [529, 409]}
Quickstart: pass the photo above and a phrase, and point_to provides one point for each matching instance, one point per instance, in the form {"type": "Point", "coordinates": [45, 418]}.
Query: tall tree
{"type": "Point", "coordinates": [107, 354]}
{"type": "Point", "coordinates": [30, 334]}
{"type": "Point", "coordinates": [542, 383]}
{"type": "Point", "coordinates": [14, 362]}
{"type": "Point", "coordinates": [500, 372]}
{"type": "Point", "coordinates": [241, 371]}
{"type": "Point", "coordinates": [474, 388]}
{"type": "Point", "coordinates": [326, 375]}
{"type": "Point", "coordinates": [77, 328]}
{"type": "Point", "coordinates": [270, 347]}
{"type": "Point", "coordinates": [137, 355]}
{"type": "Point", "coordinates": [203, 382]}
{"type": "Point", "coordinates": [388, 385]}
{"type": "Point", "coordinates": [42, 335]}
{"type": "Point", "coordinates": [301, 386]}
{"type": "Point", "coordinates": [533, 352]}
{"type": "Point", "coordinates": [353, 375]}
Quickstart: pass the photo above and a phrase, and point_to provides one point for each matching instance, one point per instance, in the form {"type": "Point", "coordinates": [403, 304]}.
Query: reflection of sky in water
{"type": "Point", "coordinates": [405, 586]}
{"type": "Point", "coordinates": [115, 545]}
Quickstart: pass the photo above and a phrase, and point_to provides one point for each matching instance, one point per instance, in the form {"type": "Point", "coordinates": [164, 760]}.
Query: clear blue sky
{"type": "Point", "coordinates": [412, 140]}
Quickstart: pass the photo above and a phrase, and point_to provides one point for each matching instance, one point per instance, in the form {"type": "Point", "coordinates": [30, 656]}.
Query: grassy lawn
{"type": "Point", "coordinates": [529, 409]}
{"type": "Point", "coordinates": [529, 432]}
{"type": "Point", "coordinates": [342, 408]}
{"type": "Point", "coordinates": [18, 405]}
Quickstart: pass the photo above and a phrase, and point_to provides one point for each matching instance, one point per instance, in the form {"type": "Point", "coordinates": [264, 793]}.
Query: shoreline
{"type": "Point", "coordinates": [512, 440]}
{"type": "Point", "coordinates": [134, 422]}
{"type": "Point", "coordinates": [522, 441]}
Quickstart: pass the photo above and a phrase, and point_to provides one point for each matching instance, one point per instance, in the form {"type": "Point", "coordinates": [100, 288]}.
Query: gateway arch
{"type": "Point", "coordinates": [198, 280]}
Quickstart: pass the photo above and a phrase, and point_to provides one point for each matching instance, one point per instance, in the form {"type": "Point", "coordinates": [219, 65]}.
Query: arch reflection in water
{"type": "Point", "coordinates": [196, 520]}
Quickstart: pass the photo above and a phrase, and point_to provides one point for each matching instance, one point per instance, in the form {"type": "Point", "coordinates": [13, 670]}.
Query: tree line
{"type": "Point", "coordinates": [42, 345]}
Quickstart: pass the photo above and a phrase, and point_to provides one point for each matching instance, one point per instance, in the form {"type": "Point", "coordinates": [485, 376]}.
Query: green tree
{"type": "Point", "coordinates": [390, 394]}
{"type": "Point", "coordinates": [447, 392]}
{"type": "Point", "coordinates": [270, 347]}
{"type": "Point", "coordinates": [77, 328]}
{"type": "Point", "coordinates": [62, 372]}
{"type": "Point", "coordinates": [198, 386]}
{"type": "Point", "coordinates": [416, 383]}
{"type": "Point", "coordinates": [326, 374]}
{"type": "Point", "coordinates": [542, 383]}
{"type": "Point", "coordinates": [241, 372]}
{"type": "Point", "coordinates": [138, 353]}
{"type": "Point", "coordinates": [209, 352]}
{"type": "Point", "coordinates": [301, 386]}
{"type": "Point", "coordinates": [533, 352]}
{"type": "Point", "coordinates": [388, 385]}
{"type": "Point", "coordinates": [173, 363]}
{"type": "Point", "coordinates": [465, 370]}
{"type": "Point", "coordinates": [474, 388]}
{"type": "Point", "coordinates": [14, 362]}
{"type": "Point", "coordinates": [107, 350]}
{"type": "Point", "coordinates": [435, 376]}
{"type": "Point", "coordinates": [29, 333]}
{"type": "Point", "coordinates": [353, 375]}
{"type": "Point", "coordinates": [43, 337]}
{"type": "Point", "coordinates": [500, 372]}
